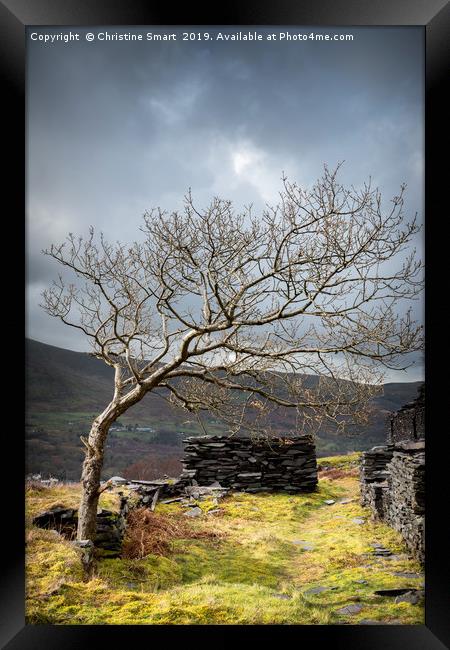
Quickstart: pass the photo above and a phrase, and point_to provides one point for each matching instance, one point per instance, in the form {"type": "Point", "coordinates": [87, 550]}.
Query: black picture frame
{"type": "Point", "coordinates": [434, 16]}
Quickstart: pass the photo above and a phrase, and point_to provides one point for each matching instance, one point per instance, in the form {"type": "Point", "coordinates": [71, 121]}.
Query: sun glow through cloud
{"type": "Point", "coordinates": [115, 130]}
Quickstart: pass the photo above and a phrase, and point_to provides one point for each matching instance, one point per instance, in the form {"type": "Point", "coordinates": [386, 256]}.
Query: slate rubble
{"type": "Point", "coordinates": [110, 528]}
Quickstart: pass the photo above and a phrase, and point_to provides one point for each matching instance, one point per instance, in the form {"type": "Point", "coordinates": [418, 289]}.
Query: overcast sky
{"type": "Point", "coordinates": [116, 128]}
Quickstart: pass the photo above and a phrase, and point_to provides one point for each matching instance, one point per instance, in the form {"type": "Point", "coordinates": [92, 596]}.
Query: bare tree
{"type": "Point", "coordinates": [240, 315]}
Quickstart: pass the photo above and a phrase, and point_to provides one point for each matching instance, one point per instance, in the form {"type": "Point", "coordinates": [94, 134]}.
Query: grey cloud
{"type": "Point", "coordinates": [117, 128]}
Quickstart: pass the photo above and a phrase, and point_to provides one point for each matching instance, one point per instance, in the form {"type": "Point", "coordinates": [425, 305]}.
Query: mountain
{"type": "Point", "coordinates": [66, 389]}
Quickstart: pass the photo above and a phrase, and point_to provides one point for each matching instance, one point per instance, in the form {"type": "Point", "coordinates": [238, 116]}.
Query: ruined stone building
{"type": "Point", "coordinates": [393, 476]}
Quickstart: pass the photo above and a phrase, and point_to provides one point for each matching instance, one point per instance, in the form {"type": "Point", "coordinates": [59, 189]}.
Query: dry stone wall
{"type": "Point", "coordinates": [406, 487]}
{"type": "Point", "coordinates": [110, 527]}
{"type": "Point", "coordinates": [393, 477]}
{"type": "Point", "coordinates": [374, 474]}
{"type": "Point", "coordinates": [243, 464]}
{"type": "Point", "coordinates": [374, 464]}
{"type": "Point", "coordinates": [409, 422]}
{"type": "Point", "coordinates": [252, 465]}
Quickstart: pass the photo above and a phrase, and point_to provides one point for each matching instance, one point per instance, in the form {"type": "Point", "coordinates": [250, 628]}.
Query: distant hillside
{"type": "Point", "coordinates": [70, 381]}
{"type": "Point", "coordinates": [66, 389]}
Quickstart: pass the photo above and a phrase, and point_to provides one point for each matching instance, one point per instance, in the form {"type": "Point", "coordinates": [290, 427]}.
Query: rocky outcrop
{"type": "Point", "coordinates": [251, 465]}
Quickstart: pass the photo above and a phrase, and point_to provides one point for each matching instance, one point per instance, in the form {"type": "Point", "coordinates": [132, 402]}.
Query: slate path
{"type": "Point", "coordinates": [354, 600]}
{"type": "Point", "coordinates": [316, 590]}
{"type": "Point", "coordinates": [305, 546]}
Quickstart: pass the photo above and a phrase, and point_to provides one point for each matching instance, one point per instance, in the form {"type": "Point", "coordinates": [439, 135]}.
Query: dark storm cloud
{"type": "Point", "coordinates": [117, 128]}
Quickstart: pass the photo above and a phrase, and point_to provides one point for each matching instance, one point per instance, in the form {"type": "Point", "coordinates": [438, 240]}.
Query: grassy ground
{"type": "Point", "coordinates": [269, 552]}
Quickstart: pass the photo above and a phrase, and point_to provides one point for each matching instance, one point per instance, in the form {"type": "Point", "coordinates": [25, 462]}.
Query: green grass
{"type": "Point", "coordinates": [66, 495]}
{"type": "Point", "coordinates": [254, 572]}
{"type": "Point", "coordinates": [347, 462]}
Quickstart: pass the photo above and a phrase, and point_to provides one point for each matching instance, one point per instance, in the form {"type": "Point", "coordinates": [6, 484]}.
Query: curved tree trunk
{"type": "Point", "coordinates": [90, 478]}
{"type": "Point", "coordinates": [93, 462]}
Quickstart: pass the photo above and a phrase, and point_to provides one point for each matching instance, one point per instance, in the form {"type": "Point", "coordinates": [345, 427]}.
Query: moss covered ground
{"type": "Point", "coordinates": [275, 559]}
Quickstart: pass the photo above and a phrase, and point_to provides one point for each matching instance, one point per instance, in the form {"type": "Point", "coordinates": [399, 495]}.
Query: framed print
{"type": "Point", "coordinates": [229, 327]}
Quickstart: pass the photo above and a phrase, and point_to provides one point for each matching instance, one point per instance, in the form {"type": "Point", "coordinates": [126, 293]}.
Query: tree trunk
{"type": "Point", "coordinates": [90, 478]}
{"type": "Point", "coordinates": [93, 462]}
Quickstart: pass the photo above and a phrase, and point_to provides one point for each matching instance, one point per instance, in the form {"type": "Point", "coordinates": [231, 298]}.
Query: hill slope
{"type": "Point", "coordinates": [66, 389]}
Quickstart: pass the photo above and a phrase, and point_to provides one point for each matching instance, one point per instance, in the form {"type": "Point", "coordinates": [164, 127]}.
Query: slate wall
{"type": "Point", "coordinates": [392, 477]}
{"type": "Point", "coordinates": [252, 465]}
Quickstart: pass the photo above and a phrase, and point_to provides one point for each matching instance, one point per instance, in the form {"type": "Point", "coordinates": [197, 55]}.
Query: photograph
{"type": "Point", "coordinates": [225, 325]}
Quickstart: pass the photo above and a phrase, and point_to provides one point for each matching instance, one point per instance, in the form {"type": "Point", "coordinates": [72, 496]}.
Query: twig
{"type": "Point", "coordinates": [105, 487]}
